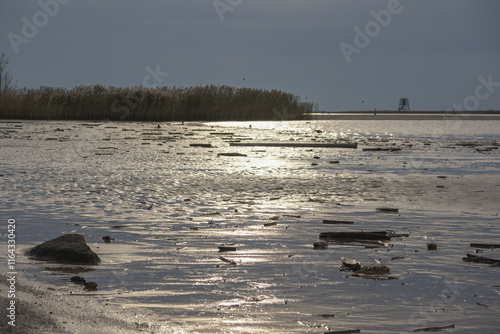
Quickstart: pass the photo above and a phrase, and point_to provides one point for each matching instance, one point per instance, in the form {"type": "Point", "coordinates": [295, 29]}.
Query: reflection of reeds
{"type": "Point", "coordinates": [208, 103]}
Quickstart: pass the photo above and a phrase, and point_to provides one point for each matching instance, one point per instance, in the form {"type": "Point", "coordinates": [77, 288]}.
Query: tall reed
{"type": "Point", "coordinates": [198, 103]}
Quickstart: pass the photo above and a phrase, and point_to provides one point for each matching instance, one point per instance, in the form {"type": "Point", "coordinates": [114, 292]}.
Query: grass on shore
{"type": "Point", "coordinates": [199, 103]}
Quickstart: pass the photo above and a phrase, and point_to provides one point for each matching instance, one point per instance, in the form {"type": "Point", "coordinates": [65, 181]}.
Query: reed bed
{"type": "Point", "coordinates": [199, 103]}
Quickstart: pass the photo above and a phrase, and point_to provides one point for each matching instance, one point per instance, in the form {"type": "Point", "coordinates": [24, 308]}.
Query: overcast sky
{"type": "Point", "coordinates": [344, 55]}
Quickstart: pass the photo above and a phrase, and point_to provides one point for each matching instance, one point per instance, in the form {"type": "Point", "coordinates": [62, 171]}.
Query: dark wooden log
{"type": "Point", "coordinates": [349, 331]}
{"type": "Point", "coordinates": [327, 221]}
{"type": "Point", "coordinates": [354, 235]}
{"type": "Point", "coordinates": [200, 145]}
{"type": "Point", "coordinates": [292, 144]}
{"type": "Point", "coordinates": [481, 259]}
{"type": "Point", "coordinates": [433, 329]}
{"type": "Point", "coordinates": [381, 149]}
{"type": "Point", "coordinates": [479, 245]}
{"type": "Point", "coordinates": [389, 210]}
{"type": "Point", "coordinates": [227, 248]}
{"type": "Point", "coordinates": [232, 154]}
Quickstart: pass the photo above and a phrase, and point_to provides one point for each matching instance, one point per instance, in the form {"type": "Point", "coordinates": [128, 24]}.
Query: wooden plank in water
{"type": "Point", "coordinates": [388, 210]}
{"type": "Point", "coordinates": [292, 144]}
{"type": "Point", "coordinates": [227, 248]}
{"type": "Point", "coordinates": [232, 155]}
{"type": "Point", "coordinates": [479, 245]}
{"type": "Point", "coordinates": [481, 259]}
{"type": "Point", "coordinates": [349, 331]}
{"type": "Point", "coordinates": [381, 149]}
{"type": "Point", "coordinates": [433, 329]}
{"type": "Point", "coordinates": [355, 235]}
{"type": "Point", "coordinates": [328, 221]}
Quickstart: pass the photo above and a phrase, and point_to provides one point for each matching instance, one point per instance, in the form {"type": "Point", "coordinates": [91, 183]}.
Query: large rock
{"type": "Point", "coordinates": [68, 248]}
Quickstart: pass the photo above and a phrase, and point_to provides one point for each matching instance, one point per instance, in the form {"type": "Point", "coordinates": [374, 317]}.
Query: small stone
{"type": "Point", "coordinates": [78, 280]}
{"type": "Point", "coordinates": [107, 239]}
{"type": "Point", "coordinates": [90, 286]}
{"type": "Point", "coordinates": [320, 244]}
{"type": "Point", "coordinates": [432, 247]}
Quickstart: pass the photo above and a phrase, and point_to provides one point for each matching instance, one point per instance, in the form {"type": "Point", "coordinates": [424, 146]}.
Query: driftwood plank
{"type": "Point", "coordinates": [291, 144]}
{"type": "Point", "coordinates": [481, 259]}
{"type": "Point", "coordinates": [479, 245]}
{"type": "Point", "coordinates": [349, 331]}
{"type": "Point", "coordinates": [200, 145]}
{"type": "Point", "coordinates": [231, 155]}
{"type": "Point", "coordinates": [433, 329]}
{"type": "Point", "coordinates": [328, 221]}
{"type": "Point", "coordinates": [381, 149]}
{"type": "Point", "coordinates": [355, 235]}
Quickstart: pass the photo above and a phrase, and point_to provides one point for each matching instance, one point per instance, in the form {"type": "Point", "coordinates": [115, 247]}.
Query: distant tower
{"type": "Point", "coordinates": [404, 104]}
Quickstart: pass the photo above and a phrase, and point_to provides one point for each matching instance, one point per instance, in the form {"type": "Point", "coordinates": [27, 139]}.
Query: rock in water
{"type": "Point", "coordinates": [68, 248]}
{"type": "Point", "coordinates": [320, 244]}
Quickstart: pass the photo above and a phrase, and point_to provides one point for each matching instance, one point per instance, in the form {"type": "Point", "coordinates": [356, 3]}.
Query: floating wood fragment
{"type": "Point", "coordinates": [433, 329]}
{"type": "Point", "coordinates": [348, 331]}
{"type": "Point", "coordinates": [227, 248]}
{"type": "Point", "coordinates": [293, 216]}
{"type": "Point", "coordinates": [222, 133]}
{"type": "Point", "coordinates": [290, 144]}
{"type": "Point", "coordinates": [481, 259]}
{"type": "Point", "coordinates": [232, 155]}
{"type": "Point", "coordinates": [328, 221]}
{"type": "Point", "coordinates": [381, 149]}
{"type": "Point", "coordinates": [388, 210]}
{"type": "Point", "coordinates": [270, 224]}
{"type": "Point", "coordinates": [200, 145]}
{"type": "Point", "coordinates": [354, 235]}
{"type": "Point", "coordinates": [324, 315]}
{"type": "Point", "coordinates": [227, 260]}
{"type": "Point", "coordinates": [479, 245]}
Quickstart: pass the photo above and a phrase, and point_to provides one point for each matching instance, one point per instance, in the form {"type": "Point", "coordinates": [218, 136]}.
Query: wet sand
{"type": "Point", "coordinates": [45, 309]}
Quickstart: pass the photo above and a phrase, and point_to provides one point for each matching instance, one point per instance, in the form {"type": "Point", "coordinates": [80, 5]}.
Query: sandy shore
{"type": "Point", "coordinates": [41, 308]}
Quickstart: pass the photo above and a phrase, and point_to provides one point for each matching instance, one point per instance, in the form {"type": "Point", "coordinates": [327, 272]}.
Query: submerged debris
{"type": "Point", "coordinates": [375, 271]}
{"type": "Point", "coordinates": [328, 221]}
{"type": "Point", "coordinates": [378, 235]}
{"type": "Point", "coordinates": [350, 264]}
{"type": "Point", "coordinates": [388, 210]}
{"type": "Point", "coordinates": [232, 155]}
{"type": "Point", "coordinates": [481, 259]}
{"type": "Point", "coordinates": [321, 244]}
{"type": "Point", "coordinates": [107, 239]}
{"type": "Point", "coordinates": [78, 280]}
{"type": "Point", "coordinates": [90, 286]}
{"type": "Point", "coordinates": [227, 260]}
{"type": "Point", "coordinates": [227, 248]}
{"type": "Point", "coordinates": [433, 329]}
{"type": "Point", "coordinates": [480, 245]}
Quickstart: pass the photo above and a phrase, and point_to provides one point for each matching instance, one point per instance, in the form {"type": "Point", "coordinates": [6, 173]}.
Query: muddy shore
{"type": "Point", "coordinates": [42, 308]}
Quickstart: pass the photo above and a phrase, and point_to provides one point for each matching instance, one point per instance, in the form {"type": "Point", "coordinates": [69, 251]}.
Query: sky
{"type": "Point", "coordinates": [344, 55]}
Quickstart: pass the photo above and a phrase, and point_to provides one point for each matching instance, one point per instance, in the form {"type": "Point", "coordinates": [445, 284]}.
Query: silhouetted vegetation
{"type": "Point", "coordinates": [200, 103]}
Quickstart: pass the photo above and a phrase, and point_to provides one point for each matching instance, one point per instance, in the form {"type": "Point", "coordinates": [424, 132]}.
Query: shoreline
{"type": "Point", "coordinates": [407, 117]}
{"type": "Point", "coordinates": [43, 308]}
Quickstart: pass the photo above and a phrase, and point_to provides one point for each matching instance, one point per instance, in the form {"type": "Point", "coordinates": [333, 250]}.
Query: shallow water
{"type": "Point", "coordinates": [169, 206]}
